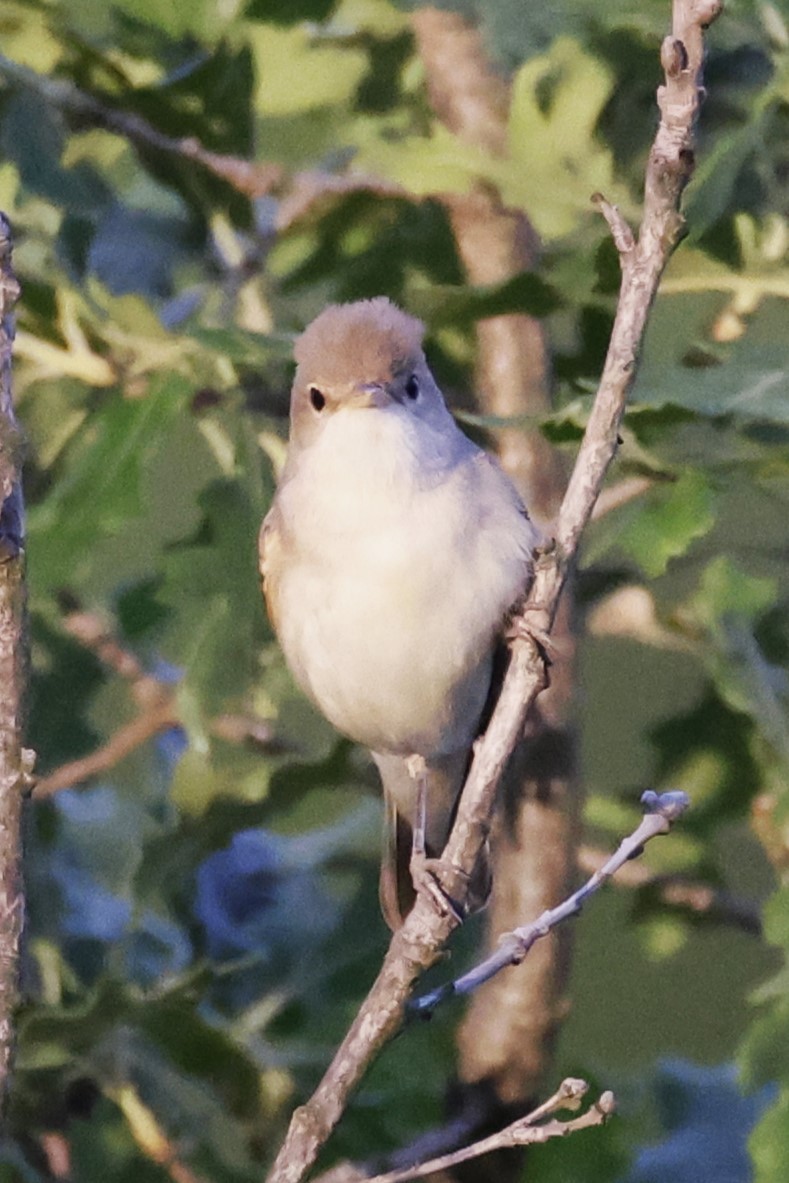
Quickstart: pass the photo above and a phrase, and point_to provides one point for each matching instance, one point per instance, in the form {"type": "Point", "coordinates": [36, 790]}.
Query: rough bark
{"type": "Point", "coordinates": [15, 761]}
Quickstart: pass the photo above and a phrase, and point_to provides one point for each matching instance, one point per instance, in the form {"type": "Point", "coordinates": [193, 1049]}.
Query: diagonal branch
{"type": "Point", "coordinates": [661, 811]}
{"type": "Point", "coordinates": [418, 943]}
{"type": "Point", "coordinates": [299, 192]}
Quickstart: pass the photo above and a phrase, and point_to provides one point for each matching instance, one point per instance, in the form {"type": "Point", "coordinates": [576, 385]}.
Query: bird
{"type": "Point", "coordinates": [393, 552]}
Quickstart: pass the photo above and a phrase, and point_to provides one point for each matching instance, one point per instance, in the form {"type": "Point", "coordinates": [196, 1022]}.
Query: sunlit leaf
{"type": "Point", "coordinates": [671, 519]}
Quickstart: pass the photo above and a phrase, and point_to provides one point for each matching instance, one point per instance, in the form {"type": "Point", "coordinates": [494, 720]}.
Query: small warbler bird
{"type": "Point", "coordinates": [391, 555]}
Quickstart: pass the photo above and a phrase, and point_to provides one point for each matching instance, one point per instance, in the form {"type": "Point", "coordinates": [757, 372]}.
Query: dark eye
{"type": "Point", "coordinates": [412, 387]}
{"type": "Point", "coordinates": [317, 398]}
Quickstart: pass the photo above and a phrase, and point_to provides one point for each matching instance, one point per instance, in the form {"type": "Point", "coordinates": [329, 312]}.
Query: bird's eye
{"type": "Point", "coordinates": [317, 398]}
{"type": "Point", "coordinates": [412, 387]}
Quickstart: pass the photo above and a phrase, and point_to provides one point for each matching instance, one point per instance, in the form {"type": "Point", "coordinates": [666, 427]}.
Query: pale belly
{"type": "Point", "coordinates": [394, 591]}
{"type": "Point", "coordinates": [394, 635]}
{"type": "Point", "coordinates": [392, 660]}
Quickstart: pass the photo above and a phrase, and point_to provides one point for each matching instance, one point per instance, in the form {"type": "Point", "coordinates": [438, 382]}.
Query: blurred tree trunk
{"type": "Point", "coordinates": [506, 1040]}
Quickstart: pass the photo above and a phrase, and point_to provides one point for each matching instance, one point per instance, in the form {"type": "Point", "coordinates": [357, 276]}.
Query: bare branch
{"type": "Point", "coordinates": [526, 1131]}
{"type": "Point", "coordinates": [252, 179]}
{"type": "Point", "coordinates": [662, 810]}
{"type": "Point", "coordinates": [16, 763]}
{"type": "Point", "coordinates": [121, 744]}
{"type": "Point", "coordinates": [417, 944]}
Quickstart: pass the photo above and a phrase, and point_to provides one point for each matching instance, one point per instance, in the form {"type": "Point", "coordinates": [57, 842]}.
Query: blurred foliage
{"type": "Point", "coordinates": [203, 915]}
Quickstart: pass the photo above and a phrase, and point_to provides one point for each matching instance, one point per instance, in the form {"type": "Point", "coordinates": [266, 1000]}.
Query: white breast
{"type": "Point", "coordinates": [404, 562]}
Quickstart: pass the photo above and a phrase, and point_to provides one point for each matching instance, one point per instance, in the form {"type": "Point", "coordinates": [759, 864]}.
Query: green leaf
{"type": "Point", "coordinates": [669, 522]}
{"type": "Point", "coordinates": [101, 487]}
{"type": "Point", "coordinates": [776, 918]}
{"type": "Point", "coordinates": [424, 165]}
{"type": "Point", "coordinates": [708, 751]}
{"type": "Point", "coordinates": [745, 379]}
{"type": "Point", "coordinates": [451, 304]}
{"type": "Point", "coordinates": [765, 1056]}
{"type": "Point", "coordinates": [240, 345]}
{"type": "Point", "coordinates": [717, 175]}
{"type": "Point", "coordinates": [557, 160]}
{"type": "Point", "coordinates": [725, 591]}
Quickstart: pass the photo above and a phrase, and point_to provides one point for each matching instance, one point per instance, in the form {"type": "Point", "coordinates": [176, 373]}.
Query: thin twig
{"type": "Point", "coordinates": [159, 717]}
{"type": "Point", "coordinates": [16, 762]}
{"type": "Point", "coordinates": [300, 192]}
{"type": "Point", "coordinates": [417, 944]}
{"type": "Point", "coordinates": [525, 1131]}
{"type": "Point", "coordinates": [662, 810]}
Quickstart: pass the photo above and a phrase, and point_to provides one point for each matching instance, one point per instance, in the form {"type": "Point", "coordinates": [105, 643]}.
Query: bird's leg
{"type": "Point", "coordinates": [417, 770]}
{"type": "Point", "coordinates": [423, 868]}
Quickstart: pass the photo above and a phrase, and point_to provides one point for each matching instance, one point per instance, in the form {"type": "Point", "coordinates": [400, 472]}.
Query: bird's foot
{"type": "Point", "coordinates": [521, 629]}
{"type": "Point", "coordinates": [432, 878]}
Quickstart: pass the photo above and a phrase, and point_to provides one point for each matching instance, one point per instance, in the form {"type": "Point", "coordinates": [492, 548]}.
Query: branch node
{"type": "Point", "coordinates": [670, 805]}
{"type": "Point", "coordinates": [621, 233]}
{"type": "Point", "coordinates": [572, 1091]}
{"type": "Point", "coordinates": [673, 56]}
{"type": "Point", "coordinates": [606, 1104]}
{"type": "Point", "coordinates": [707, 11]}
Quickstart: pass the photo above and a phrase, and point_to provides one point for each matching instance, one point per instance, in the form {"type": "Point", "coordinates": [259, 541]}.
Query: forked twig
{"type": "Point", "coordinates": [524, 1131]}
{"type": "Point", "coordinates": [663, 809]}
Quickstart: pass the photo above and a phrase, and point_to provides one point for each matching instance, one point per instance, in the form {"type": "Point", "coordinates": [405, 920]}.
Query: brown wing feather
{"type": "Point", "coordinates": [270, 556]}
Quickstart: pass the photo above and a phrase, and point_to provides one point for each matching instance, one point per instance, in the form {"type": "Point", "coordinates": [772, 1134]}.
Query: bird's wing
{"type": "Point", "coordinates": [270, 556]}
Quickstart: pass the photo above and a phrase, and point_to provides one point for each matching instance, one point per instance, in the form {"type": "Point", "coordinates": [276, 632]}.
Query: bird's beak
{"type": "Point", "coordinates": [372, 394]}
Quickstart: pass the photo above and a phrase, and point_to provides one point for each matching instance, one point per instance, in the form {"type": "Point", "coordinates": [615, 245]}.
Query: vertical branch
{"type": "Point", "coordinates": [15, 761]}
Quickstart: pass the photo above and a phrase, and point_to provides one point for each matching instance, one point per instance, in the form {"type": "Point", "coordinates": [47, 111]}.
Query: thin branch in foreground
{"type": "Point", "coordinates": [417, 945]}
{"type": "Point", "coordinates": [16, 762]}
{"type": "Point", "coordinates": [663, 809]}
{"type": "Point", "coordinates": [525, 1131]}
